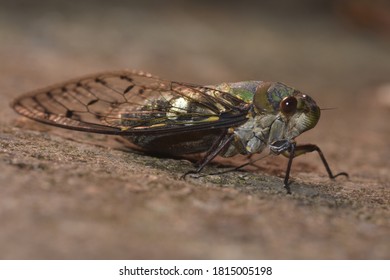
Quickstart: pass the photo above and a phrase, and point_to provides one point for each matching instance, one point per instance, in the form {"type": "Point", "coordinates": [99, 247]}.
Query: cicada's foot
{"type": "Point", "coordinates": [192, 173]}
{"type": "Point", "coordinates": [287, 187]}
{"type": "Point", "coordinates": [340, 174]}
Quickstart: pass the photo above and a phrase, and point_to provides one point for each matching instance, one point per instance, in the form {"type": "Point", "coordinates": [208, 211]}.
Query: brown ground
{"type": "Point", "coordinates": [66, 194]}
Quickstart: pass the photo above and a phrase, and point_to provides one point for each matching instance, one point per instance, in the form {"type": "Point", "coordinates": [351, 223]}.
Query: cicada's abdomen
{"type": "Point", "coordinates": [173, 110]}
{"type": "Point", "coordinates": [177, 143]}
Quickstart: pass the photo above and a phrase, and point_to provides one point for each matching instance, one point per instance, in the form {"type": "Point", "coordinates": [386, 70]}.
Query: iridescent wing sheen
{"type": "Point", "coordinates": [129, 102]}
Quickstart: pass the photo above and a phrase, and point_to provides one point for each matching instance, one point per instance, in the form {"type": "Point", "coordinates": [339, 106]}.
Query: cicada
{"type": "Point", "coordinates": [176, 118]}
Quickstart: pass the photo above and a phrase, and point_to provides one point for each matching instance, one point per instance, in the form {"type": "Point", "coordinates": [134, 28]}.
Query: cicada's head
{"type": "Point", "coordinates": [294, 111]}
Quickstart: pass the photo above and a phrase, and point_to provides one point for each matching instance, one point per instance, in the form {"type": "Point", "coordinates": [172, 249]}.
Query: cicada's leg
{"type": "Point", "coordinates": [297, 150]}
{"type": "Point", "coordinates": [214, 146]}
{"type": "Point", "coordinates": [220, 144]}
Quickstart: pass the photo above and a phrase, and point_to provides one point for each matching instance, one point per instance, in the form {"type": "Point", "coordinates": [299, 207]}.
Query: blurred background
{"type": "Point", "coordinates": [302, 42]}
{"type": "Point", "coordinates": [337, 51]}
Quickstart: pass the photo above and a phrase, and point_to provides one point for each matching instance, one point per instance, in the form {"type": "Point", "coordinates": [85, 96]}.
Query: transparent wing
{"type": "Point", "coordinates": [129, 102]}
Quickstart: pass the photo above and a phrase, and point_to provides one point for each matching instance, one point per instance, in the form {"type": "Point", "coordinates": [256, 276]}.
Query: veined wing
{"type": "Point", "coordinates": [129, 102]}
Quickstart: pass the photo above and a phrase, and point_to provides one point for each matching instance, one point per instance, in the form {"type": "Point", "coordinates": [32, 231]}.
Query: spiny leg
{"type": "Point", "coordinates": [291, 154]}
{"type": "Point", "coordinates": [297, 150]}
{"type": "Point", "coordinates": [239, 168]}
{"type": "Point", "coordinates": [214, 146]}
{"type": "Point", "coordinates": [215, 149]}
{"type": "Point", "coordinates": [307, 148]}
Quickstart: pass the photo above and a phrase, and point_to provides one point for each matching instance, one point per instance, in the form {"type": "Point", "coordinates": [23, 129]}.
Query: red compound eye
{"type": "Point", "coordinates": [288, 105]}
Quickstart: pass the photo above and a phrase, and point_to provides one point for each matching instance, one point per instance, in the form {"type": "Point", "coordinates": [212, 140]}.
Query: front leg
{"type": "Point", "coordinates": [291, 150]}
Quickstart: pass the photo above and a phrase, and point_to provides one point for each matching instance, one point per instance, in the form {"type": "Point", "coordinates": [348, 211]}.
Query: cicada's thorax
{"type": "Point", "coordinates": [251, 137]}
{"type": "Point", "coordinates": [278, 114]}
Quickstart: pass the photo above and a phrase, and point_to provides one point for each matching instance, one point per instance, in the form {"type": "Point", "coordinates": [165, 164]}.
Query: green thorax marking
{"type": "Point", "coordinates": [243, 90]}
